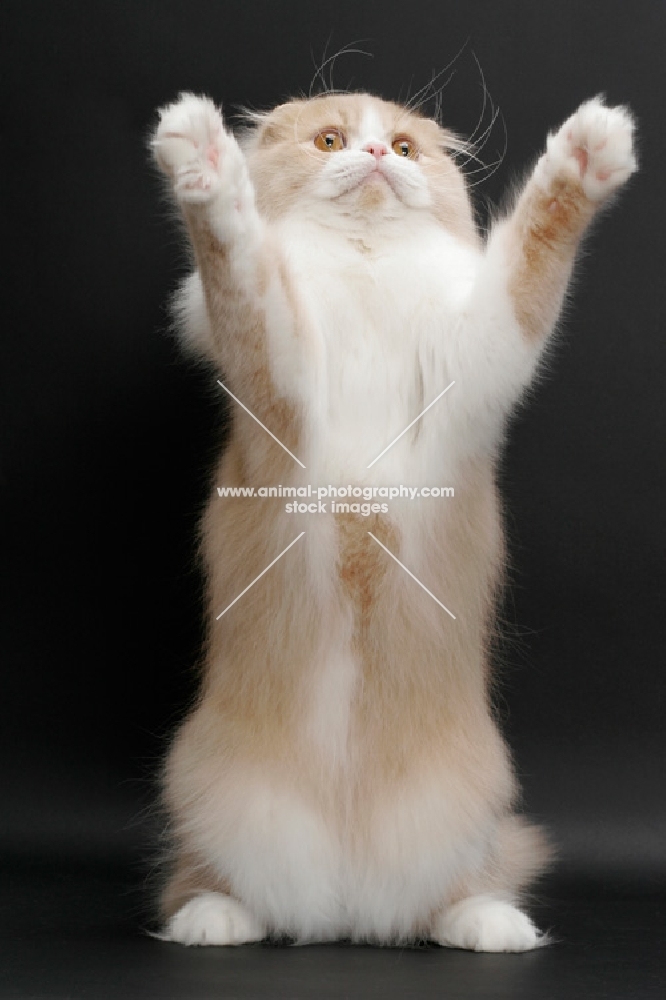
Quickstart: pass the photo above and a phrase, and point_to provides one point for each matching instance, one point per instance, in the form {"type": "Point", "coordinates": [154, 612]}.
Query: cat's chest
{"type": "Point", "coordinates": [371, 307]}
{"type": "Point", "coordinates": [392, 287]}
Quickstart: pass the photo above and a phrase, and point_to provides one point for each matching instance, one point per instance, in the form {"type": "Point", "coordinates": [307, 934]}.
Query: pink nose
{"type": "Point", "coordinates": [378, 149]}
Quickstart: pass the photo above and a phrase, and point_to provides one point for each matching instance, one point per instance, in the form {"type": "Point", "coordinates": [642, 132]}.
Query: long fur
{"type": "Point", "coordinates": [342, 774]}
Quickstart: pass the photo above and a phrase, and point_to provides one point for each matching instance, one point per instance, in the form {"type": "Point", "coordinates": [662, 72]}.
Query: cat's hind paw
{"type": "Point", "coordinates": [189, 146]}
{"type": "Point", "coordinates": [484, 923]}
{"type": "Point", "coordinates": [595, 145]}
{"type": "Point", "coordinates": [213, 919]}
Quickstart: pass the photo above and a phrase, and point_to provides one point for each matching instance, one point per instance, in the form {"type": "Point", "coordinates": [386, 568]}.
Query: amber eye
{"type": "Point", "coordinates": [330, 140]}
{"type": "Point", "coordinates": [405, 147]}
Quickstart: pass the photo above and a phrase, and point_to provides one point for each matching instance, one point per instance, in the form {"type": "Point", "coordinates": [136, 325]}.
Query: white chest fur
{"type": "Point", "coordinates": [377, 304]}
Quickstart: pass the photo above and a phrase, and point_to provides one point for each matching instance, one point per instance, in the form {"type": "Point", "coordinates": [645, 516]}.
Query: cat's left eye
{"type": "Point", "coordinates": [330, 140]}
{"type": "Point", "coordinates": [406, 147]}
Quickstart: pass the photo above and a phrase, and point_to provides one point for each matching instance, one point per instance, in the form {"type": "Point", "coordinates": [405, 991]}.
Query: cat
{"type": "Point", "coordinates": [341, 774]}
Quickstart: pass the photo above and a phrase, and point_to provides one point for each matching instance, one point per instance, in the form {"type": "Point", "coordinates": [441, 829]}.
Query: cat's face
{"type": "Point", "coordinates": [347, 158]}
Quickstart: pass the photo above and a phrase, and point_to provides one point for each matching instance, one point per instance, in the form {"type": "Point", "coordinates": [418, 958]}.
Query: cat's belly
{"type": "Point", "coordinates": [329, 842]}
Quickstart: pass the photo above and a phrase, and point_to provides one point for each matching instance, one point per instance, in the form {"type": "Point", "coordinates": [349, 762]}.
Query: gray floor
{"type": "Point", "coordinates": [70, 932]}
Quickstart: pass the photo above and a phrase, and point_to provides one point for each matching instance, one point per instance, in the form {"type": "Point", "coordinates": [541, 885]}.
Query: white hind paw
{"type": "Point", "coordinates": [213, 919]}
{"type": "Point", "coordinates": [192, 146]}
{"type": "Point", "coordinates": [596, 145]}
{"type": "Point", "coordinates": [483, 923]}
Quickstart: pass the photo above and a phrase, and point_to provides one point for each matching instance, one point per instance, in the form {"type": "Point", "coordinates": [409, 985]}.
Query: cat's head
{"type": "Point", "coordinates": [346, 158]}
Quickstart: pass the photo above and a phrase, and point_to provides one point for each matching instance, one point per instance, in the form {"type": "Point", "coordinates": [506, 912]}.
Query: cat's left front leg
{"type": "Point", "coordinates": [586, 161]}
{"type": "Point", "coordinates": [522, 280]}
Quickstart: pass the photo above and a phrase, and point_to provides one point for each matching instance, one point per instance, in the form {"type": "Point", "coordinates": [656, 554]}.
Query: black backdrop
{"type": "Point", "coordinates": [107, 433]}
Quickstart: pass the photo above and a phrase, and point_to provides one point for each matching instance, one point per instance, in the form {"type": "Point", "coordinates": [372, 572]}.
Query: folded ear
{"type": "Point", "coordinates": [277, 124]}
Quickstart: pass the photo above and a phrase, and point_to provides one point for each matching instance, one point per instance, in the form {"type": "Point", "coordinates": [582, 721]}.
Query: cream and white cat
{"type": "Point", "coordinates": [342, 775]}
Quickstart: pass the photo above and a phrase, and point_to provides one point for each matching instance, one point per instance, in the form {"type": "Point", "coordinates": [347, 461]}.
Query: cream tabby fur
{"type": "Point", "coordinates": [341, 774]}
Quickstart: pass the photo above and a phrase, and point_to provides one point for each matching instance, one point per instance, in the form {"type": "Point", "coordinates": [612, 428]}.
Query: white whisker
{"type": "Point", "coordinates": [485, 135]}
{"type": "Point", "coordinates": [486, 95]}
{"type": "Point", "coordinates": [329, 61]}
{"type": "Point", "coordinates": [416, 101]}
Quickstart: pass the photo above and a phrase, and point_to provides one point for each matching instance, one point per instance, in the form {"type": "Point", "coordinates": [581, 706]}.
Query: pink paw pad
{"type": "Point", "coordinates": [581, 155]}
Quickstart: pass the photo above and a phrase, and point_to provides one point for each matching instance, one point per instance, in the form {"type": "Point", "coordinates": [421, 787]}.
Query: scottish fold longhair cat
{"type": "Point", "coordinates": [341, 774]}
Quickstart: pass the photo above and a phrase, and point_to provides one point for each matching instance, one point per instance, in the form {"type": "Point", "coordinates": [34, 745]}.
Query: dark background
{"type": "Point", "coordinates": [107, 435]}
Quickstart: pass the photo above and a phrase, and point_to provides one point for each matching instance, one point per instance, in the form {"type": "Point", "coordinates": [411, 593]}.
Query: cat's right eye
{"type": "Point", "coordinates": [330, 140]}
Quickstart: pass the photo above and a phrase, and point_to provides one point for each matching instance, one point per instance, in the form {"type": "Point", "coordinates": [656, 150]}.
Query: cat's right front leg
{"type": "Point", "coordinates": [250, 302]}
{"type": "Point", "coordinates": [207, 170]}
{"type": "Point", "coordinates": [211, 185]}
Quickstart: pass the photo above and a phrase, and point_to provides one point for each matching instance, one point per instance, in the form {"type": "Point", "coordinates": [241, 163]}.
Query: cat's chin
{"type": "Point", "coordinates": [375, 190]}
{"type": "Point", "coordinates": [380, 187]}
{"type": "Point", "coordinates": [369, 189]}
{"type": "Point", "coordinates": [376, 175]}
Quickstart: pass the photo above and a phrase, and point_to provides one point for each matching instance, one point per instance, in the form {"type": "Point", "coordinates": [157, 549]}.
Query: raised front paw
{"type": "Point", "coordinates": [192, 147]}
{"type": "Point", "coordinates": [596, 146]}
